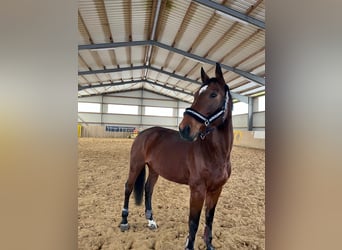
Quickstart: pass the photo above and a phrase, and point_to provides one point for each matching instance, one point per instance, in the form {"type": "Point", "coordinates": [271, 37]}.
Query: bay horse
{"type": "Point", "coordinates": [181, 157]}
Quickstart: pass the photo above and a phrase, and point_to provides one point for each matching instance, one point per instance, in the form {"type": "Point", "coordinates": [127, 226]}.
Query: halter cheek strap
{"type": "Point", "coordinates": [207, 120]}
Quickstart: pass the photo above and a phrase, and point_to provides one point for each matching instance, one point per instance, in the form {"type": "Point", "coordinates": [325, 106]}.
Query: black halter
{"type": "Point", "coordinates": [207, 120]}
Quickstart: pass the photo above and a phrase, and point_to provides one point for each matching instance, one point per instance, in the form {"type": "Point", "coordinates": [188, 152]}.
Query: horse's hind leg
{"type": "Point", "coordinates": [210, 202]}
{"type": "Point", "coordinates": [151, 181]}
{"type": "Point", "coordinates": [136, 174]}
{"type": "Point", "coordinates": [124, 223]}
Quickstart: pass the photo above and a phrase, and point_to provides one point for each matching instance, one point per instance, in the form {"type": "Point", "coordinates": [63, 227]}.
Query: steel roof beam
{"type": "Point", "coordinates": [239, 97]}
{"type": "Point", "coordinates": [134, 82]}
{"type": "Point", "coordinates": [141, 88]}
{"type": "Point", "coordinates": [250, 76]}
{"type": "Point", "coordinates": [105, 71]}
{"type": "Point", "coordinates": [106, 46]}
{"type": "Point", "coordinates": [245, 74]}
{"type": "Point", "coordinates": [109, 92]}
{"type": "Point", "coordinates": [232, 12]}
{"type": "Point", "coordinates": [168, 88]}
{"type": "Point", "coordinates": [153, 33]}
{"type": "Point", "coordinates": [175, 75]}
{"type": "Point", "coordinates": [108, 84]}
{"type": "Point", "coordinates": [235, 95]}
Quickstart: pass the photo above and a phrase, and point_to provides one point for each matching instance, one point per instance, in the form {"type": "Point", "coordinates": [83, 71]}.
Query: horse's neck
{"type": "Point", "coordinates": [221, 140]}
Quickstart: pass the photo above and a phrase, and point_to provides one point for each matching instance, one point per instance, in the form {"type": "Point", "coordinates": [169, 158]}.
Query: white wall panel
{"type": "Point", "coordinates": [159, 121]}
{"type": "Point", "coordinates": [240, 121]}
{"type": "Point", "coordinates": [151, 95]}
{"type": "Point", "coordinates": [159, 103]}
{"type": "Point", "coordinates": [183, 105]}
{"type": "Point", "coordinates": [259, 119]}
{"type": "Point", "coordinates": [91, 118]}
{"type": "Point", "coordinates": [122, 100]}
{"type": "Point", "coordinates": [121, 119]}
{"type": "Point", "coordinates": [134, 94]}
{"type": "Point", "coordinates": [90, 99]}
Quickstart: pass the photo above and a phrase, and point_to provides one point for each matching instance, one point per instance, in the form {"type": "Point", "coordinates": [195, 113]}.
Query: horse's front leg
{"type": "Point", "coordinates": [197, 195]}
{"type": "Point", "coordinates": [210, 203]}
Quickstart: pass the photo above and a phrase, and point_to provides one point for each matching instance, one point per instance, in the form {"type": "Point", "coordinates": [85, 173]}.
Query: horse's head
{"type": "Point", "coordinates": [211, 107]}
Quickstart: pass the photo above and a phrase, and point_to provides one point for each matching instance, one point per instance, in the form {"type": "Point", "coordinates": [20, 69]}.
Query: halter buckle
{"type": "Point", "coordinates": [206, 123]}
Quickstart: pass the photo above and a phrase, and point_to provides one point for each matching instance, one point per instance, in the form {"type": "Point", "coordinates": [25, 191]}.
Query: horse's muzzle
{"type": "Point", "coordinates": [185, 133]}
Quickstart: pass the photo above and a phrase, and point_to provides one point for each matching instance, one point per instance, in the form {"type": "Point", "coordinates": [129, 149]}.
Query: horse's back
{"type": "Point", "coordinates": [164, 151]}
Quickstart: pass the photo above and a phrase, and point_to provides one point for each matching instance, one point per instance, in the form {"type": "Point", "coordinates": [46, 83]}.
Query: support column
{"type": "Point", "coordinates": [176, 114]}
{"type": "Point", "coordinates": [250, 113]}
{"type": "Point", "coordinates": [101, 110]}
{"type": "Point", "coordinates": [141, 109]}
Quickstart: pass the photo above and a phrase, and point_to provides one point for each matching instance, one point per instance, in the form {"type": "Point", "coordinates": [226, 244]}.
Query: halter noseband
{"type": "Point", "coordinates": [207, 120]}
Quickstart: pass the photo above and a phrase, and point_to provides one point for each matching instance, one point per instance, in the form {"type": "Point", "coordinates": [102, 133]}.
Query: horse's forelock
{"type": "Point", "coordinates": [212, 80]}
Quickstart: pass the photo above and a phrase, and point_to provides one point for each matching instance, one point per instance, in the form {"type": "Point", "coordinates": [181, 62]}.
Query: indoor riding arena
{"type": "Point", "coordinates": [140, 66]}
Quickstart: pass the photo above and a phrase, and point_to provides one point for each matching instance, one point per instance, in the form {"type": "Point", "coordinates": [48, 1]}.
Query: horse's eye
{"type": "Point", "coordinates": [213, 95]}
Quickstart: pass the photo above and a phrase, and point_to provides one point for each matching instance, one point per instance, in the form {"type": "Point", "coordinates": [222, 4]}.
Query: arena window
{"type": "Point", "coordinates": [261, 103]}
{"type": "Point", "coordinates": [89, 107]}
{"type": "Point", "coordinates": [123, 109]}
{"type": "Point", "coordinates": [180, 112]}
{"type": "Point", "coordinates": [240, 108]}
{"type": "Point", "coordinates": [158, 111]}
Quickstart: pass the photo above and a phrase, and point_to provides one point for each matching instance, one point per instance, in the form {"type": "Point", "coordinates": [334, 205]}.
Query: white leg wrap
{"type": "Point", "coordinates": [152, 224]}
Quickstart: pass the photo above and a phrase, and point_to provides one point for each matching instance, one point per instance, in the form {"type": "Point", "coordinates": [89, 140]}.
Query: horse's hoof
{"type": "Point", "coordinates": [152, 224]}
{"type": "Point", "coordinates": [152, 227]}
{"type": "Point", "coordinates": [124, 227]}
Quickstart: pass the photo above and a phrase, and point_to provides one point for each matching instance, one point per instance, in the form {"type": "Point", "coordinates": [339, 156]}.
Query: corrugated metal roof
{"type": "Point", "coordinates": [117, 48]}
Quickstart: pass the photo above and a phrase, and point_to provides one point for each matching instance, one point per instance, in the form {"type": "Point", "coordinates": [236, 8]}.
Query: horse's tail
{"type": "Point", "coordinates": [139, 187]}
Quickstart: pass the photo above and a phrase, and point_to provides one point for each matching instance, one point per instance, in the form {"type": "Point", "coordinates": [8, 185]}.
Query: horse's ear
{"type": "Point", "coordinates": [218, 73]}
{"type": "Point", "coordinates": [204, 76]}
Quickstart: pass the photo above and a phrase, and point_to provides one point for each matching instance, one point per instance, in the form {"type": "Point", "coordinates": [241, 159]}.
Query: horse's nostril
{"type": "Point", "coordinates": [185, 132]}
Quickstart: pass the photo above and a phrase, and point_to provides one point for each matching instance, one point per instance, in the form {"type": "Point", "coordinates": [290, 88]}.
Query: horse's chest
{"type": "Point", "coordinates": [214, 176]}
